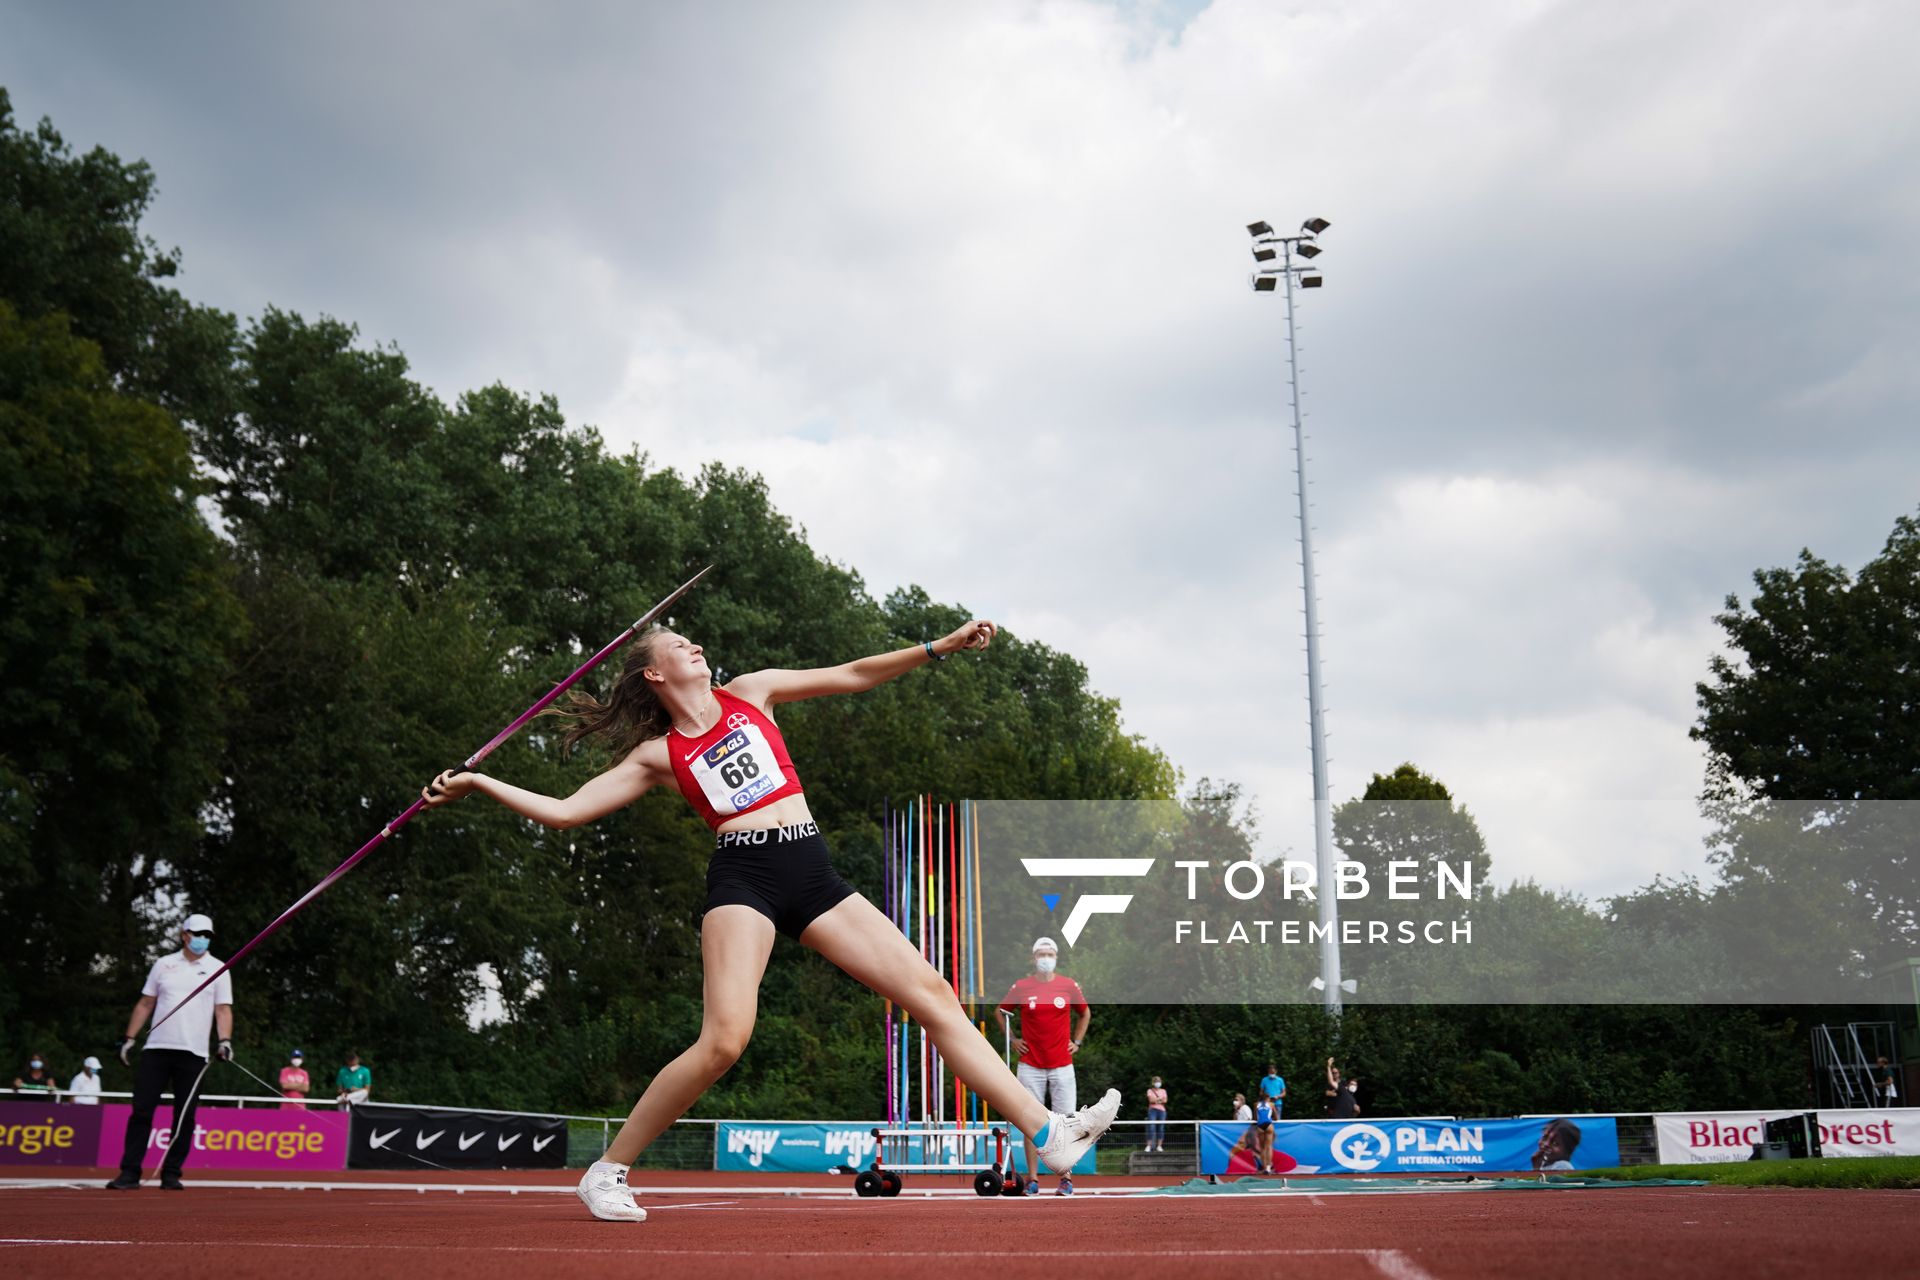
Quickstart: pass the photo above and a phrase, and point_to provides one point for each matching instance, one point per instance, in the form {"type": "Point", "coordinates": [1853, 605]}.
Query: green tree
{"type": "Point", "coordinates": [117, 625]}
{"type": "Point", "coordinates": [70, 243]}
{"type": "Point", "coordinates": [1820, 698]}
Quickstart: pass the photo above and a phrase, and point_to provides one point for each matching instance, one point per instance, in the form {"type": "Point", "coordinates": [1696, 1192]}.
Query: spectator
{"type": "Point", "coordinates": [294, 1082]}
{"type": "Point", "coordinates": [354, 1081]}
{"type": "Point", "coordinates": [85, 1088]}
{"type": "Point", "coordinates": [1333, 1085]}
{"type": "Point", "coordinates": [1045, 1000]}
{"type": "Point", "coordinates": [1241, 1111]}
{"type": "Point", "coordinates": [175, 1058]}
{"type": "Point", "coordinates": [38, 1077]}
{"type": "Point", "coordinates": [1346, 1100]}
{"type": "Point", "coordinates": [1273, 1087]}
{"type": "Point", "coordinates": [1886, 1093]}
{"type": "Point", "coordinates": [1156, 1117]}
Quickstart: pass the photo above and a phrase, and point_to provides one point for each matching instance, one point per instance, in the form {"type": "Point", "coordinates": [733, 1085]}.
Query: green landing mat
{"type": "Point", "coordinates": [1258, 1186]}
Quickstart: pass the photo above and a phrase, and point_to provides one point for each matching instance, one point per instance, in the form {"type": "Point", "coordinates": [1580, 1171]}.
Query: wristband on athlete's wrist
{"type": "Point", "coordinates": [931, 655]}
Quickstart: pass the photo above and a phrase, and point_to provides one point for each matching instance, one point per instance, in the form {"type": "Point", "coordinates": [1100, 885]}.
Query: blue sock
{"type": "Point", "coordinates": [1040, 1138]}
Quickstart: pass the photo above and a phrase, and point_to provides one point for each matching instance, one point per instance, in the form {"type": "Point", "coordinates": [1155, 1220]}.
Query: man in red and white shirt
{"type": "Point", "coordinates": [1046, 1001]}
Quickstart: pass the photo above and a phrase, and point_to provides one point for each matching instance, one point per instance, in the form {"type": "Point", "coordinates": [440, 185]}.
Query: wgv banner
{"type": "Point", "coordinates": [391, 1137]}
{"type": "Point", "coordinates": [1705, 1137]}
{"type": "Point", "coordinates": [822, 1148]}
{"type": "Point", "coordinates": [234, 1138]}
{"type": "Point", "coordinates": [1414, 1146]}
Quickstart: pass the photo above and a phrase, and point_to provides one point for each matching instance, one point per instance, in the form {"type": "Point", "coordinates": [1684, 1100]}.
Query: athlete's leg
{"type": "Point", "coordinates": [855, 936]}
{"type": "Point", "coordinates": [1034, 1081]}
{"type": "Point", "coordinates": [734, 944]}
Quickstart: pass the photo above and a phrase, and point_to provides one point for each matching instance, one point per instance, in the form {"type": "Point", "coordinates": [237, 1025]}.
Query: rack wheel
{"type": "Point", "coordinates": [987, 1183]}
{"type": "Point", "coordinates": [867, 1183]}
{"type": "Point", "coordinates": [890, 1182]}
{"type": "Point", "coordinates": [1013, 1186]}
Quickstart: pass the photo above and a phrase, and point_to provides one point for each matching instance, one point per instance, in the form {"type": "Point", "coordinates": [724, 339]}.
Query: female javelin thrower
{"type": "Point", "coordinates": [720, 748]}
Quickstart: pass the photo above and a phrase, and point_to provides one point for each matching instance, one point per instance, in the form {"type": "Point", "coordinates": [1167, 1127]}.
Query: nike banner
{"type": "Point", "coordinates": [390, 1137]}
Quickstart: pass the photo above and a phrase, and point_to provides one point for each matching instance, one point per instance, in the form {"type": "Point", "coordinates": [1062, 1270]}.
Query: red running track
{"type": "Point", "coordinates": [715, 1231]}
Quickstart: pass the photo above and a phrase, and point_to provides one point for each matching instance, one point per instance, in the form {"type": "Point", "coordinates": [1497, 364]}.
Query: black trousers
{"type": "Point", "coordinates": [162, 1071]}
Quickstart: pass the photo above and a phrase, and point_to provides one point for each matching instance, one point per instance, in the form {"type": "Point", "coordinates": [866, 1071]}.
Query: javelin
{"type": "Point", "coordinates": [471, 762]}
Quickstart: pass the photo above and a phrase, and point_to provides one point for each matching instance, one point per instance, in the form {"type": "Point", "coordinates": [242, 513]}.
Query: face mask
{"type": "Point", "coordinates": [1043, 964]}
{"type": "Point", "coordinates": [36, 1064]}
{"type": "Point", "coordinates": [1156, 1084]}
{"type": "Point", "coordinates": [199, 945]}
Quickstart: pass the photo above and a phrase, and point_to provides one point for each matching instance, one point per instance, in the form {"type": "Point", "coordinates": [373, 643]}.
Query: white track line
{"type": "Point", "coordinates": [1395, 1265]}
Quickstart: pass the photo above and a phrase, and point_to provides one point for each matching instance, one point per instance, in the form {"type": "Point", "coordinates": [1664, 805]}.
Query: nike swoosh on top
{"type": "Point", "coordinates": [539, 1144]}
{"type": "Point", "coordinates": [378, 1140]}
{"type": "Point", "coordinates": [466, 1142]}
{"type": "Point", "coordinates": [506, 1142]}
{"type": "Point", "coordinates": [422, 1141]}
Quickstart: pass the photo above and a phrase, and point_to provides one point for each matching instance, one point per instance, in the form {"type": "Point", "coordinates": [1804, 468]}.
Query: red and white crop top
{"type": "Point", "coordinates": [739, 765]}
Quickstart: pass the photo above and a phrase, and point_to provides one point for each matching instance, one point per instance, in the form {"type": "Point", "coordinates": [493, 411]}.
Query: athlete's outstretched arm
{"type": "Point", "coordinates": [775, 686]}
{"type": "Point", "coordinates": [617, 788]}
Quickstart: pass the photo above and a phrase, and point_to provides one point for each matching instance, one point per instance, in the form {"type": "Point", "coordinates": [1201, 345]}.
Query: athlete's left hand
{"type": "Point", "coordinates": [225, 1051]}
{"type": "Point", "coordinates": [977, 634]}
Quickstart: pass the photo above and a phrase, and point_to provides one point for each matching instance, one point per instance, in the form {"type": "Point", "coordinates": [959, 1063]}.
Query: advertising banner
{"type": "Point", "coordinates": [1416, 1146]}
{"type": "Point", "coordinates": [49, 1133]}
{"type": "Point", "coordinates": [234, 1138]}
{"type": "Point", "coordinates": [824, 1147]}
{"type": "Point", "coordinates": [393, 1137]}
{"type": "Point", "coordinates": [1707, 1137]}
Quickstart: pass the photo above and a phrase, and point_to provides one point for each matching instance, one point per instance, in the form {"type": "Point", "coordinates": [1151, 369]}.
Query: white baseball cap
{"type": "Point", "coordinates": [92, 1064]}
{"type": "Point", "coordinates": [197, 923]}
{"type": "Point", "coordinates": [1044, 944]}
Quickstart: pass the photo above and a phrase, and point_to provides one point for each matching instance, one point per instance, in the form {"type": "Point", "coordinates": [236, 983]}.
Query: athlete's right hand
{"type": "Point", "coordinates": [1020, 1047]}
{"type": "Point", "coordinates": [448, 786]}
{"type": "Point", "coordinates": [126, 1047]}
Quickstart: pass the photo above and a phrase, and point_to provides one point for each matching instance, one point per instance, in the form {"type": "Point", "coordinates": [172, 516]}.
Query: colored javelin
{"type": "Point", "coordinates": [471, 763]}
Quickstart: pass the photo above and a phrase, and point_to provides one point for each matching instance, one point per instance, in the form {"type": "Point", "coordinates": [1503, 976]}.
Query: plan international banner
{"type": "Point", "coordinates": [1416, 1146]}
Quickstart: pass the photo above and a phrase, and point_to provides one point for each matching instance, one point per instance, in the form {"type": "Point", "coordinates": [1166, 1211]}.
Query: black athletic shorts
{"type": "Point", "coordinates": [784, 873]}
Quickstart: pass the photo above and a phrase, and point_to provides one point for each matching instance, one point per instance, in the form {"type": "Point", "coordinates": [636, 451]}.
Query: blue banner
{"type": "Point", "coordinates": [822, 1148]}
{"type": "Point", "coordinates": [1414, 1146]}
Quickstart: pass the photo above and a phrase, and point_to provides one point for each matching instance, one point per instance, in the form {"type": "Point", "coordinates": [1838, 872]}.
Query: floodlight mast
{"type": "Point", "coordinates": [1266, 280]}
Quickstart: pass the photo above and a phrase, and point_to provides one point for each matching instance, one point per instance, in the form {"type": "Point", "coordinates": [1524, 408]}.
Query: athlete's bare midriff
{"type": "Point", "coordinates": [783, 812]}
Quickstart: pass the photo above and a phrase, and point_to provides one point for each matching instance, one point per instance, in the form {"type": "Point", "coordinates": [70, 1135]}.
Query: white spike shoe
{"type": "Point", "coordinates": [1069, 1136]}
{"type": "Point", "coordinates": [604, 1191]}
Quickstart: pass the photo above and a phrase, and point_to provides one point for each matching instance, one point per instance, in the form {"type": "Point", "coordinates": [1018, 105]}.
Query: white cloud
{"type": "Point", "coordinates": [1616, 300]}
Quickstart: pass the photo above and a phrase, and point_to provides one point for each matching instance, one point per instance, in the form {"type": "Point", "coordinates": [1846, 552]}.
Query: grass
{"type": "Point", "coordinates": [1843, 1171]}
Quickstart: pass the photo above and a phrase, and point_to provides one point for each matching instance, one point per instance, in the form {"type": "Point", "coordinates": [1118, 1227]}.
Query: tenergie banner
{"type": "Point", "coordinates": [235, 1138]}
{"type": "Point", "coordinates": [1415, 1146]}
{"type": "Point", "coordinates": [1707, 1137]}
{"type": "Point", "coordinates": [49, 1133]}
{"type": "Point", "coordinates": [391, 1137]}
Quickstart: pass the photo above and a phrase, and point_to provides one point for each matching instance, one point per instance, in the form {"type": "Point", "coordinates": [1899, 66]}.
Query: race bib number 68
{"type": "Point", "coordinates": [738, 770]}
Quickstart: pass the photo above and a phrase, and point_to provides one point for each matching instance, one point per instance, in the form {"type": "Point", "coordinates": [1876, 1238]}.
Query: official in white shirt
{"type": "Point", "coordinates": [85, 1088]}
{"type": "Point", "coordinates": [175, 1056]}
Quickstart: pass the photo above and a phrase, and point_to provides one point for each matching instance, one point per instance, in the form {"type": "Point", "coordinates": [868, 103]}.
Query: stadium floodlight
{"type": "Point", "coordinates": [1264, 253]}
{"type": "Point", "coordinates": [1329, 983]}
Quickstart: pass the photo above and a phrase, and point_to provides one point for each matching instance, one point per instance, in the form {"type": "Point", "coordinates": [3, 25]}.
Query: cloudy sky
{"type": "Point", "coordinates": [1621, 305]}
